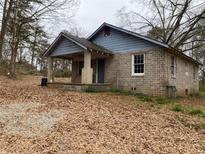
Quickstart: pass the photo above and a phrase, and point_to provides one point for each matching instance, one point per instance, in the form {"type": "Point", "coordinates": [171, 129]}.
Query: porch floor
{"type": "Point", "coordinates": [95, 87]}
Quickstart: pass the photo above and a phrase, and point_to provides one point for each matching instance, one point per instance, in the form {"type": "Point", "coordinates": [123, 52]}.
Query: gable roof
{"type": "Point", "coordinates": [82, 42]}
{"type": "Point", "coordinates": [170, 49]}
{"type": "Point", "coordinates": [130, 33]}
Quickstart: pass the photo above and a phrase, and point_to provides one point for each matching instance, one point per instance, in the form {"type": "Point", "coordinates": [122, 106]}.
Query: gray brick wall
{"type": "Point", "coordinates": [184, 75]}
{"type": "Point", "coordinates": [157, 73]}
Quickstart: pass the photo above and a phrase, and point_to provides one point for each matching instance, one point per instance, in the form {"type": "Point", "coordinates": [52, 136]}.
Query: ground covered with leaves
{"type": "Point", "coordinates": [41, 120]}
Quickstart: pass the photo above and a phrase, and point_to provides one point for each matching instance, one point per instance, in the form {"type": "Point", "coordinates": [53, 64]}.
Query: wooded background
{"type": "Point", "coordinates": [23, 35]}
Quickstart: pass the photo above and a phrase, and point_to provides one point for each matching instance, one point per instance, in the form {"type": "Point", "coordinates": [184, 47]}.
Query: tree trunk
{"type": "Point", "coordinates": [33, 48]}
{"type": "Point", "coordinates": [5, 18]}
{"type": "Point", "coordinates": [32, 58]}
{"type": "Point", "coordinates": [13, 61]}
{"type": "Point", "coordinates": [14, 47]}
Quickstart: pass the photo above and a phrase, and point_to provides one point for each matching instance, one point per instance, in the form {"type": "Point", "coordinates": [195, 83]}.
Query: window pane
{"type": "Point", "coordinates": [139, 68]}
{"type": "Point", "coordinates": [194, 72]}
{"type": "Point", "coordinates": [172, 61]}
{"type": "Point", "coordinates": [173, 65]}
{"type": "Point", "coordinates": [138, 59]}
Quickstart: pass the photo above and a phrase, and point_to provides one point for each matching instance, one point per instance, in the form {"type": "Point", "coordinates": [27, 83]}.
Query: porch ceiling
{"type": "Point", "coordinates": [80, 55]}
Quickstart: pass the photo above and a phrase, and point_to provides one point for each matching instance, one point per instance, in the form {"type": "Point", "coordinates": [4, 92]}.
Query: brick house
{"type": "Point", "coordinates": [125, 60]}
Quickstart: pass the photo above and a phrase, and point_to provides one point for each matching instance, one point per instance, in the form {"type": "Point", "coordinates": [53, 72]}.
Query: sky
{"type": "Point", "coordinates": [92, 13]}
{"type": "Point", "coordinates": [88, 16]}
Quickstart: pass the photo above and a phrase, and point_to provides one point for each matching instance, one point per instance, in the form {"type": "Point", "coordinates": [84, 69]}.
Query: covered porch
{"type": "Point", "coordinates": [88, 62]}
{"type": "Point", "coordinates": [87, 68]}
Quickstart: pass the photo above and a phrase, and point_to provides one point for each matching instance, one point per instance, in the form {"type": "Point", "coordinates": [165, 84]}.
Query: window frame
{"type": "Point", "coordinates": [133, 67]}
{"type": "Point", "coordinates": [174, 66]}
{"type": "Point", "coordinates": [195, 73]}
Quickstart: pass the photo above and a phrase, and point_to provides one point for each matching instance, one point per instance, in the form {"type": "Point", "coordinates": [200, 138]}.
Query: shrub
{"type": "Point", "coordinates": [202, 87]}
{"type": "Point", "coordinates": [90, 89]}
{"type": "Point", "coordinates": [122, 92]}
{"type": "Point", "coordinates": [178, 108]}
{"type": "Point", "coordinates": [161, 100]}
{"type": "Point", "coordinates": [62, 73]}
{"type": "Point", "coordinates": [196, 112]}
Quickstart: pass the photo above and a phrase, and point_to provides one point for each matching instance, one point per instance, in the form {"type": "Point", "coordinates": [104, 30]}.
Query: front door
{"type": "Point", "coordinates": [101, 70]}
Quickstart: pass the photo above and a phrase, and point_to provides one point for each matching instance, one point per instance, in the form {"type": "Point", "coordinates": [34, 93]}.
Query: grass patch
{"type": "Point", "coordinates": [121, 92]}
{"type": "Point", "coordinates": [178, 108]}
{"type": "Point", "coordinates": [163, 102]}
{"type": "Point", "coordinates": [196, 125]}
{"type": "Point", "coordinates": [187, 109]}
{"type": "Point", "coordinates": [144, 98]}
{"type": "Point", "coordinates": [154, 100]}
{"type": "Point", "coordinates": [202, 87]}
{"type": "Point", "coordinates": [202, 94]}
{"type": "Point", "coordinates": [172, 105]}
{"type": "Point", "coordinates": [196, 112]}
{"type": "Point", "coordinates": [202, 126]}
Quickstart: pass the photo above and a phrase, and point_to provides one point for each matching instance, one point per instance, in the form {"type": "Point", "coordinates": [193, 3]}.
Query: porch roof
{"type": "Point", "coordinates": [81, 42]}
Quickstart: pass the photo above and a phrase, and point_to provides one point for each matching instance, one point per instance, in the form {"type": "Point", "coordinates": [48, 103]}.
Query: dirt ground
{"type": "Point", "coordinates": [40, 120]}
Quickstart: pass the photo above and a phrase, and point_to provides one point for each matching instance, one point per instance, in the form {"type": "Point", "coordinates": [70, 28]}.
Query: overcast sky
{"type": "Point", "coordinates": [92, 13]}
{"type": "Point", "coordinates": [89, 16]}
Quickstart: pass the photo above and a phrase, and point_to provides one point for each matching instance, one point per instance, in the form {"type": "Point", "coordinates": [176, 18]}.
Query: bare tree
{"type": "Point", "coordinates": [174, 22]}
{"type": "Point", "coordinates": [7, 7]}
{"type": "Point", "coordinates": [22, 18]}
{"type": "Point", "coordinates": [199, 53]}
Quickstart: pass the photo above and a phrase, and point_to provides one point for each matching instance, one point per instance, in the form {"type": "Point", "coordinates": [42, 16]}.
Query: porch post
{"type": "Point", "coordinates": [87, 71]}
{"type": "Point", "coordinates": [50, 70]}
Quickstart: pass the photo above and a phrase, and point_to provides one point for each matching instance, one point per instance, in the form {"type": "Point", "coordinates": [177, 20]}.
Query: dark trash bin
{"type": "Point", "coordinates": [44, 82]}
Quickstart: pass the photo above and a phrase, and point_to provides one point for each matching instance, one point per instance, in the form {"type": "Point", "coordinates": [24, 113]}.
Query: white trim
{"type": "Point", "coordinates": [138, 51]}
{"type": "Point", "coordinates": [175, 67]}
{"type": "Point", "coordinates": [138, 74]}
{"type": "Point", "coordinates": [132, 67]}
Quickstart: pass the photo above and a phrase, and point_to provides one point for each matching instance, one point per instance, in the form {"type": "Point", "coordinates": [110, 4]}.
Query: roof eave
{"type": "Point", "coordinates": [171, 50]}
{"type": "Point", "coordinates": [145, 38]}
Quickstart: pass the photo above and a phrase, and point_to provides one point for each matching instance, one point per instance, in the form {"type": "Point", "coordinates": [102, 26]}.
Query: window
{"type": "Point", "coordinates": [138, 65]}
{"type": "Point", "coordinates": [194, 73]}
{"type": "Point", "coordinates": [173, 66]}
